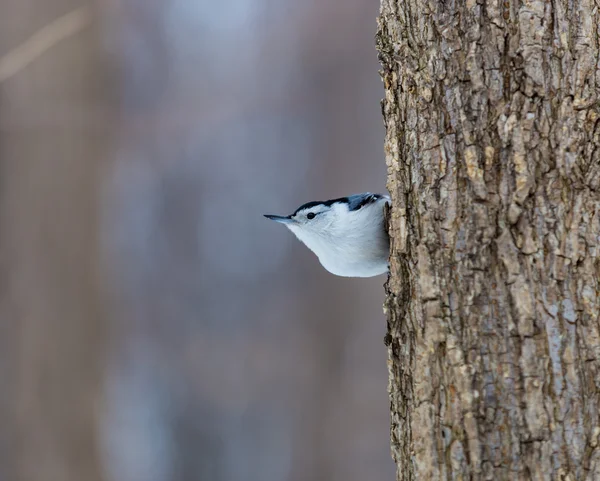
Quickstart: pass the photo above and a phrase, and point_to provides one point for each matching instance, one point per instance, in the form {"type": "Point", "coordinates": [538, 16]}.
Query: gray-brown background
{"type": "Point", "coordinates": [154, 325]}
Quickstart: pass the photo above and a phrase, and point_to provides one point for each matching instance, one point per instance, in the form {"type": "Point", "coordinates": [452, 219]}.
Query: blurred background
{"type": "Point", "coordinates": [155, 326]}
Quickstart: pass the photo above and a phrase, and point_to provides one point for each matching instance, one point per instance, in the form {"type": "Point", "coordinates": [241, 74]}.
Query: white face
{"type": "Point", "coordinates": [317, 219]}
{"type": "Point", "coordinates": [314, 221]}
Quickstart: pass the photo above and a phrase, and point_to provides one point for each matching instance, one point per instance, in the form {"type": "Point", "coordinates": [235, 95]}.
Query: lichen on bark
{"type": "Point", "coordinates": [493, 152]}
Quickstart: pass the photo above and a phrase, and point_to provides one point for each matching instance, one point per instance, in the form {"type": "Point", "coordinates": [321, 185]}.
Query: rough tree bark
{"type": "Point", "coordinates": [493, 153]}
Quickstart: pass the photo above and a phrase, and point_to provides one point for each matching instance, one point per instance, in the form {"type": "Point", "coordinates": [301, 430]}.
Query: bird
{"type": "Point", "coordinates": [348, 234]}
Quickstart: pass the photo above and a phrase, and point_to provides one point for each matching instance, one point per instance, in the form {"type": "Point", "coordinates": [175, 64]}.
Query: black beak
{"type": "Point", "coordinates": [279, 218]}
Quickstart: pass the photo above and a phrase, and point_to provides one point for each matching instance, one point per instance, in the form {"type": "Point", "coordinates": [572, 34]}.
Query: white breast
{"type": "Point", "coordinates": [353, 244]}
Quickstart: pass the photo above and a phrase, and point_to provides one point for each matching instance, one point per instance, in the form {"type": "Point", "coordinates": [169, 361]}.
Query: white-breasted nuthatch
{"type": "Point", "coordinates": [348, 234]}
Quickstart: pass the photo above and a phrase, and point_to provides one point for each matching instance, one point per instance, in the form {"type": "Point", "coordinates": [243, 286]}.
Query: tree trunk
{"type": "Point", "coordinates": [493, 154]}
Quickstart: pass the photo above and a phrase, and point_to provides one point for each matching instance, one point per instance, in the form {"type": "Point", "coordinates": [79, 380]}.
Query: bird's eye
{"type": "Point", "coordinates": [310, 215]}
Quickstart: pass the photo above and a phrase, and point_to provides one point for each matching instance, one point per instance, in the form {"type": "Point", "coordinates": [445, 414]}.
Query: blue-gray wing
{"type": "Point", "coordinates": [357, 201]}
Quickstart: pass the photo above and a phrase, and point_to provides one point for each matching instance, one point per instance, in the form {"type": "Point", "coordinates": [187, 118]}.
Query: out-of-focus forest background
{"type": "Point", "coordinates": [155, 326]}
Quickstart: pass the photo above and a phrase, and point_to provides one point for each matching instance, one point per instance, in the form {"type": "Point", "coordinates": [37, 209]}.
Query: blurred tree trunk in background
{"type": "Point", "coordinates": [53, 140]}
{"type": "Point", "coordinates": [493, 154]}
